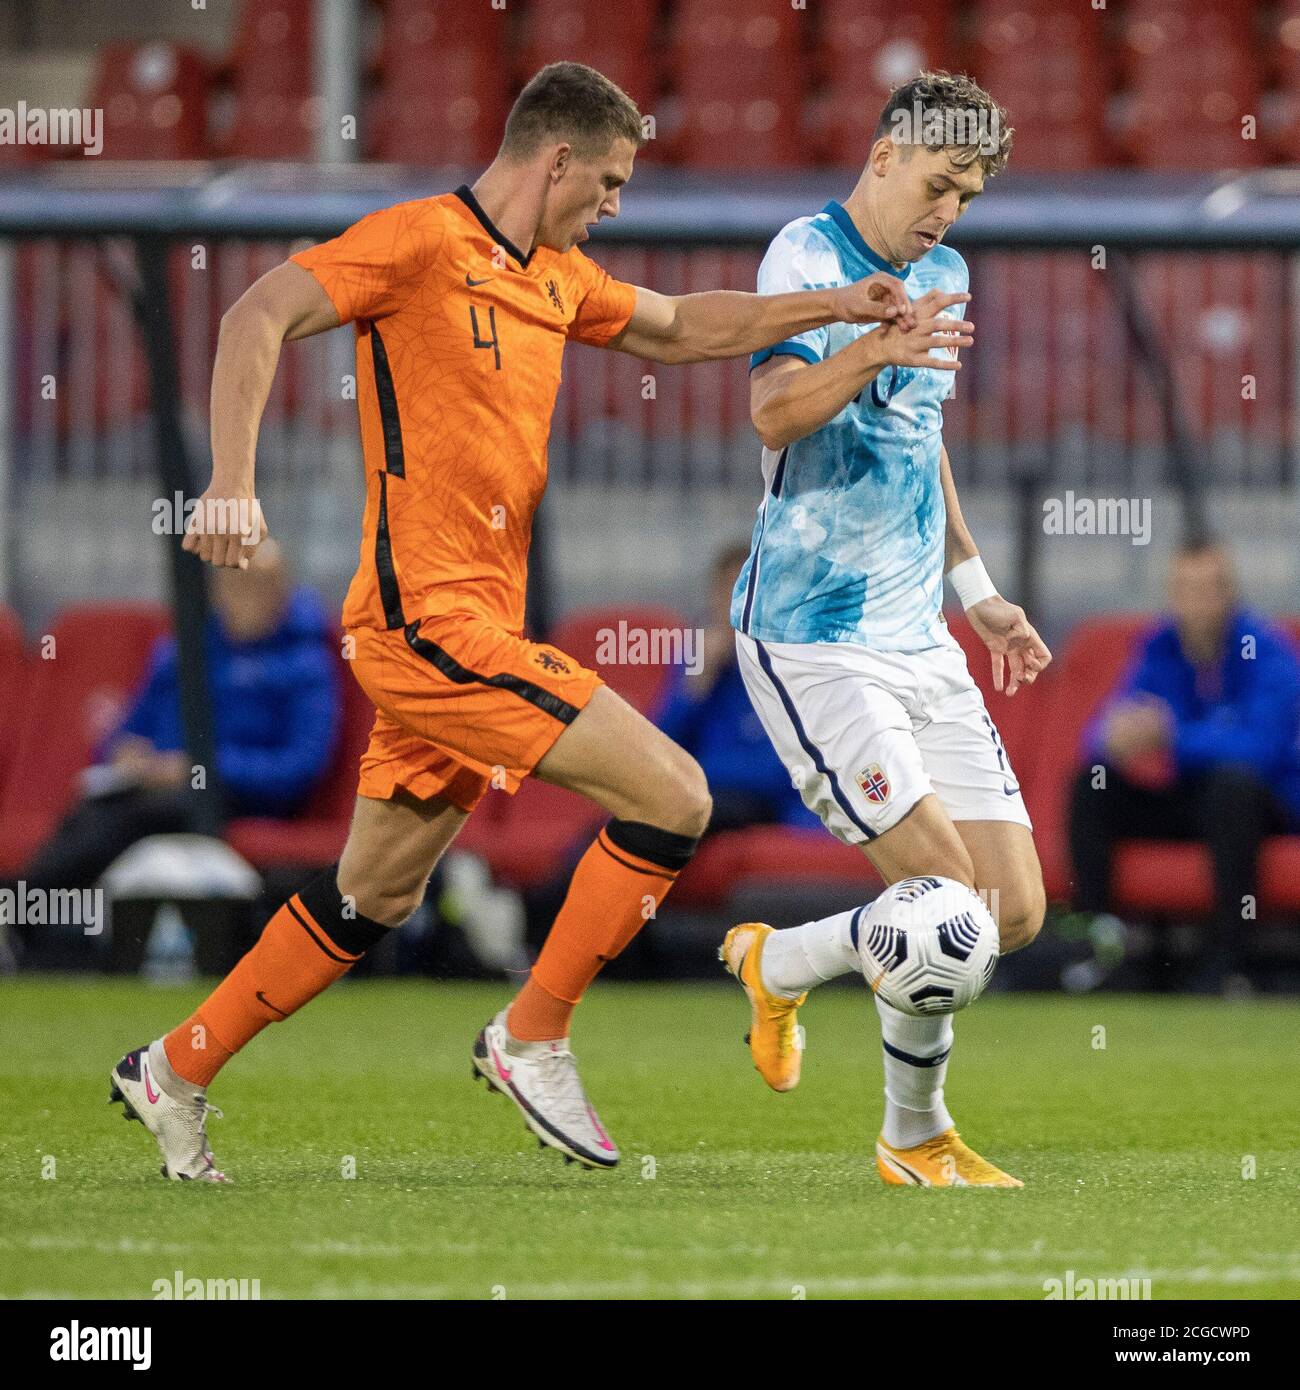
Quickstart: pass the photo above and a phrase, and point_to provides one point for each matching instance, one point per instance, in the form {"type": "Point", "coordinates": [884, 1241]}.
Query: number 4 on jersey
{"type": "Point", "coordinates": [486, 342]}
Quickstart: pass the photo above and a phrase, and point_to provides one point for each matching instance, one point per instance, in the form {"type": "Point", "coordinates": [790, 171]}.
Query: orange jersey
{"type": "Point", "coordinates": [459, 343]}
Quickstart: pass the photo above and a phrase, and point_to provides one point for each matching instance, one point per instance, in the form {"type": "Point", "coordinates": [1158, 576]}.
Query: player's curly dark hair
{"type": "Point", "coordinates": [950, 111]}
{"type": "Point", "coordinates": [570, 101]}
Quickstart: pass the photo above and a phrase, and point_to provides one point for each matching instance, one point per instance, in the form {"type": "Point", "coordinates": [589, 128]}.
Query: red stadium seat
{"type": "Point", "coordinates": [1279, 873]}
{"type": "Point", "coordinates": [74, 698]}
{"type": "Point", "coordinates": [1045, 63]}
{"type": "Point", "coordinates": [270, 31]}
{"type": "Point", "coordinates": [879, 44]}
{"type": "Point", "coordinates": [1156, 36]}
{"type": "Point", "coordinates": [742, 129]}
{"type": "Point", "coordinates": [1169, 878]}
{"type": "Point", "coordinates": [698, 410]}
{"type": "Point", "coordinates": [15, 676]}
{"type": "Point", "coordinates": [740, 85]}
{"type": "Point", "coordinates": [481, 833]}
{"type": "Point", "coordinates": [617, 41]}
{"type": "Point", "coordinates": [1072, 378]}
{"type": "Point", "coordinates": [155, 101]}
{"type": "Point", "coordinates": [865, 49]}
{"type": "Point", "coordinates": [1216, 308]}
{"type": "Point", "coordinates": [275, 114]}
{"type": "Point", "coordinates": [718, 865]}
{"type": "Point", "coordinates": [1188, 115]}
{"type": "Point", "coordinates": [424, 23]}
{"type": "Point", "coordinates": [444, 84]}
{"type": "Point", "coordinates": [1190, 128]}
{"type": "Point", "coordinates": [201, 297]}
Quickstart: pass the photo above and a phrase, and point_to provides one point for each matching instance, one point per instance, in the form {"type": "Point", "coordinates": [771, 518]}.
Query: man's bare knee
{"type": "Point", "coordinates": [1019, 914]}
{"type": "Point", "coordinates": [391, 850]}
{"type": "Point", "coordinates": [687, 805]}
{"type": "Point", "coordinates": [381, 900]}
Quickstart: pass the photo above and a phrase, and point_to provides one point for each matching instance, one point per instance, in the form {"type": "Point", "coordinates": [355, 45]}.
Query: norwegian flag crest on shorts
{"type": "Point", "coordinates": [874, 784]}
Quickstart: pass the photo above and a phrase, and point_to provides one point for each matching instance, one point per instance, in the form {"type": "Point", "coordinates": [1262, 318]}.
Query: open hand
{"type": "Point", "coordinates": [1011, 640]}
{"type": "Point", "coordinates": [914, 347]}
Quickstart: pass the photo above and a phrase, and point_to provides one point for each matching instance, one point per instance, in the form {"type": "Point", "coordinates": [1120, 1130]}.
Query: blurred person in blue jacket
{"type": "Point", "coordinates": [276, 711]}
{"type": "Point", "coordinates": [710, 714]}
{"type": "Point", "coordinates": [1201, 741]}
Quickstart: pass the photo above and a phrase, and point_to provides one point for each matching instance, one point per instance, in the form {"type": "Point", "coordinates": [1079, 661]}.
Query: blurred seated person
{"type": "Point", "coordinates": [1200, 742]}
{"type": "Point", "coordinates": [709, 714]}
{"type": "Point", "coordinates": [276, 712]}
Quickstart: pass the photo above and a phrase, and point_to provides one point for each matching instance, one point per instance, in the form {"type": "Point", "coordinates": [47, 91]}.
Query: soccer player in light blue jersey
{"type": "Point", "coordinates": [841, 640]}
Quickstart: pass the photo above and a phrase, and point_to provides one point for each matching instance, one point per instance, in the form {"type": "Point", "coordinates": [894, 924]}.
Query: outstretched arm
{"type": "Point", "coordinates": [1003, 626]}
{"type": "Point", "coordinates": [286, 303]}
{"type": "Point", "coordinates": [729, 323]}
{"type": "Point", "coordinates": [790, 398]}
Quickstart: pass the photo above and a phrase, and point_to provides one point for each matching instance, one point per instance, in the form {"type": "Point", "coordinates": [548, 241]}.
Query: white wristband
{"type": "Point", "coordinates": [971, 581]}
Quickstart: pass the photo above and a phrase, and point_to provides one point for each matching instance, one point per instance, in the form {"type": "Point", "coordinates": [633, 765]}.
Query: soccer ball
{"type": "Point", "coordinates": [928, 946]}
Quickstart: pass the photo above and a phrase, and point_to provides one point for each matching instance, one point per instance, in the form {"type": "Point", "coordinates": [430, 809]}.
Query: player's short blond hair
{"type": "Point", "coordinates": [949, 111]}
{"type": "Point", "coordinates": [574, 103]}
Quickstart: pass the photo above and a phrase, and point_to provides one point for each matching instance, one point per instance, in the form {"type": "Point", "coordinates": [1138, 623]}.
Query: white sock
{"type": "Point", "coordinates": [801, 958]}
{"type": "Point", "coordinates": [916, 1063]}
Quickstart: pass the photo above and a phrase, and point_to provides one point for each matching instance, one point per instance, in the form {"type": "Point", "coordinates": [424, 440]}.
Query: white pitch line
{"type": "Point", "coordinates": [1086, 1262]}
{"type": "Point", "coordinates": [1236, 1275]}
{"type": "Point", "coordinates": [126, 1245]}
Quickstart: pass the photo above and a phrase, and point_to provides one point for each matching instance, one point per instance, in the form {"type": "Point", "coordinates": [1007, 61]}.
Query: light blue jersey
{"type": "Point", "coordinates": [849, 541]}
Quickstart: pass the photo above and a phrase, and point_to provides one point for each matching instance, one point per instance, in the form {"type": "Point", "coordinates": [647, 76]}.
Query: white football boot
{"type": "Point", "coordinates": [175, 1113]}
{"type": "Point", "coordinates": [542, 1080]}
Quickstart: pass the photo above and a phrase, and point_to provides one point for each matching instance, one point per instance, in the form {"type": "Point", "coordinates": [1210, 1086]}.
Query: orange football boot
{"type": "Point", "coordinates": [775, 1038]}
{"type": "Point", "coordinates": [943, 1161]}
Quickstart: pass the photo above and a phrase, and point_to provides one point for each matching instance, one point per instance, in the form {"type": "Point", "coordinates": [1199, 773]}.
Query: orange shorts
{"type": "Point", "coordinates": [463, 705]}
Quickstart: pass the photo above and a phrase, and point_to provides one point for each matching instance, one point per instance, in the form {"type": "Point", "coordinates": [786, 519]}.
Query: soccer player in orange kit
{"type": "Point", "coordinates": [462, 305]}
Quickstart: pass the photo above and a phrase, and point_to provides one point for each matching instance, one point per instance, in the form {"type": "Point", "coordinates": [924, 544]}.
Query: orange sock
{"type": "Point", "coordinates": [616, 888]}
{"type": "Point", "coordinates": [305, 947]}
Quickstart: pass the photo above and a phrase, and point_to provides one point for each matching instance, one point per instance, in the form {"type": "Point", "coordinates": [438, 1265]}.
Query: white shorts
{"type": "Point", "coordinates": [866, 734]}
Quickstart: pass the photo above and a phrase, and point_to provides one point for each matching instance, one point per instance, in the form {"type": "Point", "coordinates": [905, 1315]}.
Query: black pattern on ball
{"type": "Point", "coordinates": [958, 936]}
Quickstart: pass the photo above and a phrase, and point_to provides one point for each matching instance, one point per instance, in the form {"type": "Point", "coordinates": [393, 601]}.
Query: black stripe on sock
{"type": "Point", "coordinates": [315, 936]}
{"type": "Point", "coordinates": [668, 874]}
{"type": "Point", "coordinates": [666, 848]}
{"type": "Point", "coordinates": [916, 1061]}
{"type": "Point", "coordinates": [853, 926]}
{"type": "Point", "coordinates": [352, 933]}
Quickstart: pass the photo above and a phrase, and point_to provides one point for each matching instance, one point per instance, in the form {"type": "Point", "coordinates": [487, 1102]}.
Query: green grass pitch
{"type": "Point", "coordinates": [1136, 1155]}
